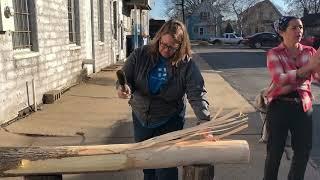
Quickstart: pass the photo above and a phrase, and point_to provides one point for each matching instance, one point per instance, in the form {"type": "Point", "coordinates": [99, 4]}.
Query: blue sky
{"type": "Point", "coordinates": [158, 8]}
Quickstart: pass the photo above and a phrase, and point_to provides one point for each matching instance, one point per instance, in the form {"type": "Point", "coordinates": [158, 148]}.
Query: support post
{"type": "Point", "coordinates": [198, 172]}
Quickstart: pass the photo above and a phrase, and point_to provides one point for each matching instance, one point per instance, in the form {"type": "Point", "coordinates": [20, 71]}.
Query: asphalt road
{"type": "Point", "coordinates": [245, 70]}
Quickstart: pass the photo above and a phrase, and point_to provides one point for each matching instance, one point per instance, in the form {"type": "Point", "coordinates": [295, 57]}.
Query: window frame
{"type": "Point", "coordinates": [201, 31]}
{"type": "Point", "coordinates": [74, 17]}
{"type": "Point", "coordinates": [30, 41]}
{"type": "Point", "coordinates": [204, 15]}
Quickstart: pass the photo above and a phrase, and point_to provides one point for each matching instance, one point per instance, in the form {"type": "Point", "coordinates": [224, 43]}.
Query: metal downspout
{"type": "Point", "coordinates": [92, 38]}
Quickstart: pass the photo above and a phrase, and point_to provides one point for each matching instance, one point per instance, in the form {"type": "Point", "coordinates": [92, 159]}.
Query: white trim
{"type": "Point", "coordinates": [74, 47]}
{"type": "Point", "coordinates": [100, 43]}
{"type": "Point", "coordinates": [25, 54]}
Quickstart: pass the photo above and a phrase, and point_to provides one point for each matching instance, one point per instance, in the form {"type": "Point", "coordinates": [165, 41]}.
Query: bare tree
{"type": "Point", "coordinates": [174, 8]}
{"type": "Point", "coordinates": [230, 9]}
{"type": "Point", "coordinates": [281, 9]}
{"type": "Point", "coordinates": [238, 7]}
{"type": "Point", "coordinates": [299, 7]}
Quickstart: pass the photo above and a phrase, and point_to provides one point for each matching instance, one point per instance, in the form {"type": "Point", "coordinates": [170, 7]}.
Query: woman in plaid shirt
{"type": "Point", "coordinates": [292, 66]}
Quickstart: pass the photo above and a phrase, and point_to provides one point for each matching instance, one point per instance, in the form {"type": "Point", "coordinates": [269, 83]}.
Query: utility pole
{"type": "Point", "coordinates": [182, 5]}
{"type": "Point", "coordinates": [183, 18]}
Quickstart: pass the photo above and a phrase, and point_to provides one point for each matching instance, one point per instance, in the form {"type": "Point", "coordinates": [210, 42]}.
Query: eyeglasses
{"type": "Point", "coordinates": [170, 48]}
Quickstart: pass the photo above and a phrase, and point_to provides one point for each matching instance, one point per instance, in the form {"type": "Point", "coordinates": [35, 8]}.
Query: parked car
{"type": "Point", "coordinates": [227, 38]}
{"type": "Point", "coordinates": [316, 44]}
{"type": "Point", "coordinates": [258, 40]}
{"type": "Point", "coordinates": [313, 41]}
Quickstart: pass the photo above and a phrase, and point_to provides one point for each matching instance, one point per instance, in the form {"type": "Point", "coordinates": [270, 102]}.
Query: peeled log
{"type": "Point", "coordinates": [20, 161]}
{"type": "Point", "coordinates": [168, 150]}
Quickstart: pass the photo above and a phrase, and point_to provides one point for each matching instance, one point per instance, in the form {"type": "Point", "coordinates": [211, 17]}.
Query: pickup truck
{"type": "Point", "coordinates": [227, 38]}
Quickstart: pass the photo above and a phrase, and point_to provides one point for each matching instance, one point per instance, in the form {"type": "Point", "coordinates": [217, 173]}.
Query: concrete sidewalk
{"type": "Point", "coordinates": [91, 113]}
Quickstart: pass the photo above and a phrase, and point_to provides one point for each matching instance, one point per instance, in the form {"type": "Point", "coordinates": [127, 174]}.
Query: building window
{"type": "Point", "coordinates": [201, 31]}
{"type": "Point", "coordinates": [204, 15]}
{"type": "Point", "coordinates": [24, 35]}
{"type": "Point", "coordinates": [115, 29]}
{"type": "Point", "coordinates": [101, 20]}
{"type": "Point", "coordinates": [74, 22]}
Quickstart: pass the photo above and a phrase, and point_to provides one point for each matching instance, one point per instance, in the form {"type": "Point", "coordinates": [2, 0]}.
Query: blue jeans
{"type": "Point", "coordinates": [142, 133]}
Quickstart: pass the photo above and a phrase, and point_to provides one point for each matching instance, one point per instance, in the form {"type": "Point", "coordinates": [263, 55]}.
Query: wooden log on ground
{"type": "Point", "coordinates": [22, 161]}
{"type": "Point", "coordinates": [198, 172]}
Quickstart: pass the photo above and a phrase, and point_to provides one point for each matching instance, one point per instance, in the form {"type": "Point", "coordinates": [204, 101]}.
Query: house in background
{"type": "Point", "coordinates": [259, 18]}
{"type": "Point", "coordinates": [139, 23]}
{"type": "Point", "coordinates": [311, 23]}
{"type": "Point", "coordinates": [53, 42]}
{"type": "Point", "coordinates": [204, 22]}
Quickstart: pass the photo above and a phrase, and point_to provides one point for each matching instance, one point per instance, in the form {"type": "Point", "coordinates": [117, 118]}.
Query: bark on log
{"type": "Point", "coordinates": [21, 161]}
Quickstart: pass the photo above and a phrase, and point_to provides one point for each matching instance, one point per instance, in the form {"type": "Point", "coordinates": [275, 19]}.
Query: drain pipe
{"type": "Point", "coordinates": [92, 38]}
{"type": "Point", "coordinates": [28, 96]}
{"type": "Point", "coordinates": [34, 95]}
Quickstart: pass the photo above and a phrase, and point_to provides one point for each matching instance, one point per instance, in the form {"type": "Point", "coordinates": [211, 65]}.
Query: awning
{"type": "Point", "coordinates": [140, 4]}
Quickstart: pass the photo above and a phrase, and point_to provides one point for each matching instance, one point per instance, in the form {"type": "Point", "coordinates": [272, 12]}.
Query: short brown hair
{"type": "Point", "coordinates": [179, 33]}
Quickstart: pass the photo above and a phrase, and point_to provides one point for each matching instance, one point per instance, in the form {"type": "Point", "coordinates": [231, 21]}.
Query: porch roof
{"type": "Point", "coordinates": [141, 4]}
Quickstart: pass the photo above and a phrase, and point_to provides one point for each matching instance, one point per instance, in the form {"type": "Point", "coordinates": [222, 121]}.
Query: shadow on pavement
{"type": "Point", "coordinates": [120, 133]}
{"type": "Point", "coordinates": [103, 81]}
{"type": "Point", "coordinates": [226, 60]}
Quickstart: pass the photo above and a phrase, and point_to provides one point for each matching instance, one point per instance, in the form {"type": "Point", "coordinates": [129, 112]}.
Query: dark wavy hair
{"type": "Point", "coordinates": [283, 23]}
